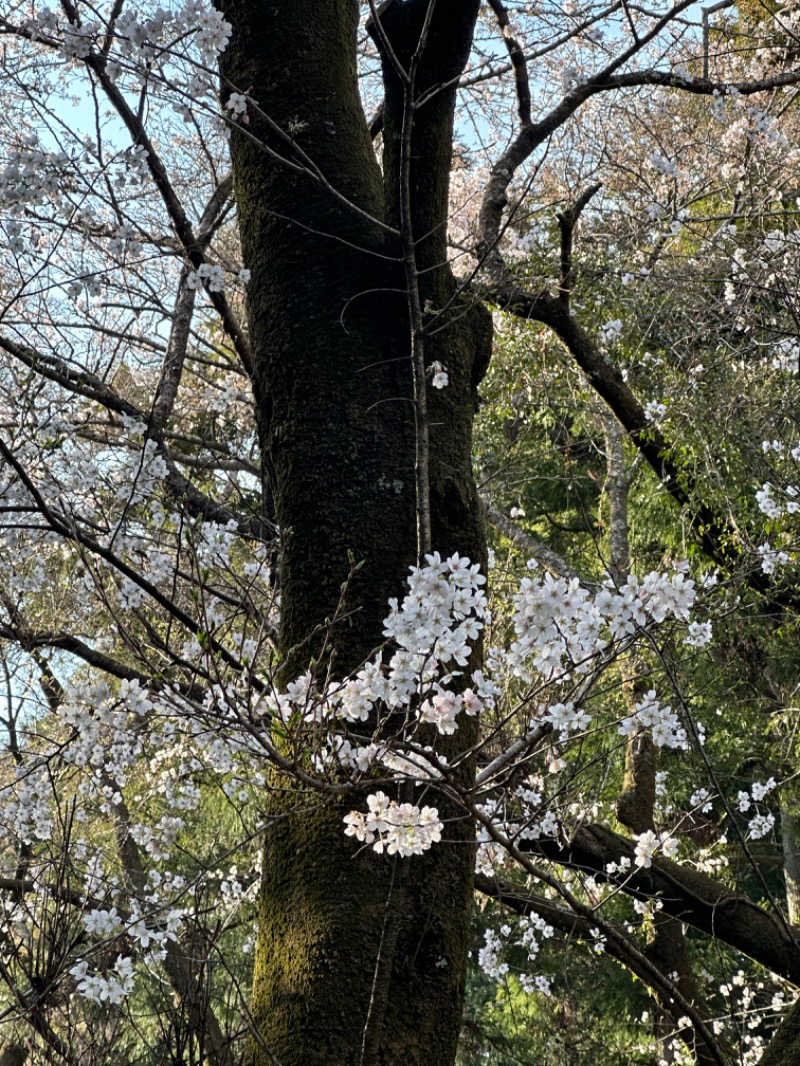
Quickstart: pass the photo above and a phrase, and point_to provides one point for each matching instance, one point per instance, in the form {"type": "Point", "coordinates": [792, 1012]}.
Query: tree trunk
{"type": "Point", "coordinates": [360, 958]}
{"type": "Point", "coordinates": [790, 836]}
{"type": "Point", "coordinates": [784, 1048]}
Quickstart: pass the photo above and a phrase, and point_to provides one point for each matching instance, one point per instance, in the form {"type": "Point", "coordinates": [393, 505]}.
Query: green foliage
{"type": "Point", "coordinates": [593, 1018]}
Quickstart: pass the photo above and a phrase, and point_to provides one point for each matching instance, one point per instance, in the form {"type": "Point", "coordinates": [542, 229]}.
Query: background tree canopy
{"type": "Point", "coordinates": [399, 506]}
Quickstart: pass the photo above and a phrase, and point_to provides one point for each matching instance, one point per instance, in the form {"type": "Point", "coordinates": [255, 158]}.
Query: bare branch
{"type": "Point", "coordinates": [535, 548]}
{"type": "Point", "coordinates": [518, 62]}
{"type": "Point", "coordinates": [182, 317]}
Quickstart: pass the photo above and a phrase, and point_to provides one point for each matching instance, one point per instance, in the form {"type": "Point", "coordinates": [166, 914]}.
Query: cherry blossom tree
{"type": "Point", "coordinates": [244, 326]}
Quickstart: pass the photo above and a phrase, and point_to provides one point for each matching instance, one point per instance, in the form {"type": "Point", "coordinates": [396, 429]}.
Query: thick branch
{"type": "Point", "coordinates": [66, 642]}
{"type": "Point", "coordinates": [518, 63]}
{"type": "Point", "coordinates": [495, 197]}
{"type": "Point", "coordinates": [424, 47]}
{"type": "Point", "coordinates": [523, 902]}
{"type": "Point", "coordinates": [717, 539]}
{"type": "Point", "coordinates": [685, 894]}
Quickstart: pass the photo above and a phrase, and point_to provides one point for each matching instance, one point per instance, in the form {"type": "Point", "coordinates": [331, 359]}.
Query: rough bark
{"type": "Point", "coordinates": [329, 329]}
{"type": "Point", "coordinates": [13, 1055]}
{"type": "Point", "coordinates": [790, 837]}
{"type": "Point", "coordinates": [783, 1048]}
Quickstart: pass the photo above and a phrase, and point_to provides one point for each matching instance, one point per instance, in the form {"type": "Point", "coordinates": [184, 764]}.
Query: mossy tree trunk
{"type": "Point", "coordinates": [329, 328]}
{"type": "Point", "coordinates": [784, 1048]}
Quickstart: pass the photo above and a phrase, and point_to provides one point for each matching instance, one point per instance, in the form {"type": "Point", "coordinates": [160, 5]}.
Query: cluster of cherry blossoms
{"type": "Point", "coordinates": [112, 986]}
{"type": "Point", "coordinates": [105, 733]}
{"type": "Point", "coordinates": [439, 375]}
{"type": "Point", "coordinates": [433, 628]}
{"type": "Point", "coordinates": [32, 175]}
{"type": "Point", "coordinates": [777, 503]}
{"type": "Point", "coordinates": [433, 632]}
{"type": "Point", "coordinates": [139, 473]}
{"type": "Point", "coordinates": [776, 506]}
{"type": "Point", "coordinates": [661, 721]}
{"type": "Point", "coordinates": [210, 275]}
{"type": "Point", "coordinates": [562, 626]}
{"type": "Point", "coordinates": [648, 843]}
{"type": "Point", "coordinates": [397, 828]}
{"type": "Point", "coordinates": [492, 957]}
{"type": "Point", "coordinates": [440, 617]}
{"type": "Point", "coordinates": [139, 38]}
{"type": "Point", "coordinates": [761, 823]}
